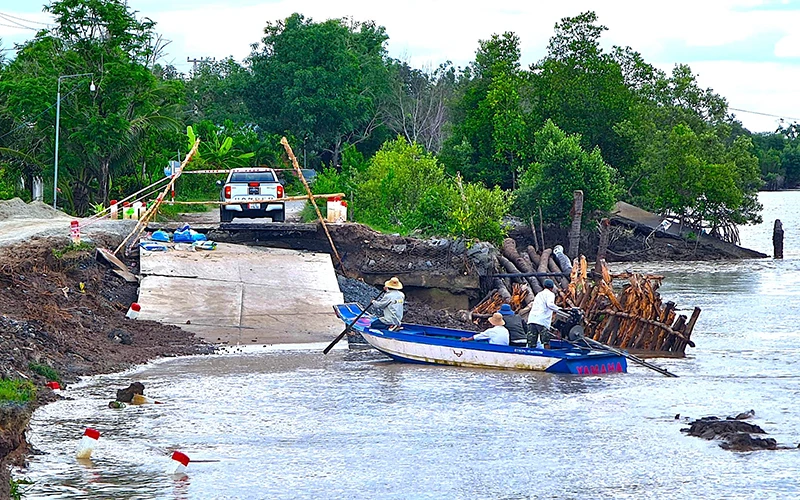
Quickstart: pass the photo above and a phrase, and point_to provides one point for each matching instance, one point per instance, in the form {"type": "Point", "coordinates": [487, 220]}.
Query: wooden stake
{"type": "Point", "coordinates": [535, 238]}
{"type": "Point", "coordinates": [313, 202]}
{"type": "Point", "coordinates": [541, 229]}
{"type": "Point", "coordinates": [602, 248]}
{"type": "Point", "coordinates": [575, 229]}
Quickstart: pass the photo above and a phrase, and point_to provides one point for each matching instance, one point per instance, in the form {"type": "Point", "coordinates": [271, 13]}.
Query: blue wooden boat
{"type": "Point", "coordinates": [442, 346]}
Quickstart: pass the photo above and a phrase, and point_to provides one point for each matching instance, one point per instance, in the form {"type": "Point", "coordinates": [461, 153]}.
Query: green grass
{"type": "Point", "coordinates": [19, 391]}
{"type": "Point", "coordinates": [45, 371]}
{"type": "Point", "coordinates": [59, 253]}
{"type": "Point", "coordinates": [16, 488]}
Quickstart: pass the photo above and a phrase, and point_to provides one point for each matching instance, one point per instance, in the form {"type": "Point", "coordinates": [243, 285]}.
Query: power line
{"type": "Point", "coordinates": [18, 26]}
{"type": "Point", "coordinates": [782, 117]}
{"type": "Point", "coordinates": [23, 20]}
{"type": "Point", "coordinates": [27, 123]}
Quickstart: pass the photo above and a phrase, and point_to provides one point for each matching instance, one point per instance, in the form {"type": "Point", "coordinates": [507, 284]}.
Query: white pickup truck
{"type": "Point", "coordinates": [257, 193]}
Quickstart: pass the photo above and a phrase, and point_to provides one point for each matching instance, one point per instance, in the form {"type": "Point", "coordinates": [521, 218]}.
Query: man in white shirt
{"type": "Point", "coordinates": [497, 334]}
{"type": "Point", "coordinates": [542, 309]}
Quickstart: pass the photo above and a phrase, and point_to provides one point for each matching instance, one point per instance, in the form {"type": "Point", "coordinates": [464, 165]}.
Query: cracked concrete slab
{"type": "Point", "coordinates": [242, 295]}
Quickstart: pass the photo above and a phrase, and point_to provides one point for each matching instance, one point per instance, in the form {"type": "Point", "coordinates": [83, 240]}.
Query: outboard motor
{"type": "Point", "coordinates": [569, 323]}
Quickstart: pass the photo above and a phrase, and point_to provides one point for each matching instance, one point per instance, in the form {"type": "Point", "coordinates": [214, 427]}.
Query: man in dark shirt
{"type": "Point", "coordinates": [517, 331]}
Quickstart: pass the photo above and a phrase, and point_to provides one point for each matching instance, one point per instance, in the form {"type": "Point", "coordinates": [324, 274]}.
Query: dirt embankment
{"type": "Point", "coordinates": [66, 312]}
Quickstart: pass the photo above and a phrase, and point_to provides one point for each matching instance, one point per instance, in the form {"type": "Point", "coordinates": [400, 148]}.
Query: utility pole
{"type": "Point", "coordinates": [201, 60]}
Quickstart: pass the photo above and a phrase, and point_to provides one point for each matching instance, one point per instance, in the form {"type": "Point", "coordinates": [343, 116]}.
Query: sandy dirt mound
{"type": "Point", "coordinates": [17, 209]}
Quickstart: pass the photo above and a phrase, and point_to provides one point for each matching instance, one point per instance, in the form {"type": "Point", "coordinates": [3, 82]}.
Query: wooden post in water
{"type": "Point", "coordinates": [777, 239]}
{"type": "Point", "coordinates": [575, 229]}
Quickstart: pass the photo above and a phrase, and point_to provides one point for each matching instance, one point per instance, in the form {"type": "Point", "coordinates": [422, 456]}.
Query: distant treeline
{"type": "Point", "coordinates": [443, 150]}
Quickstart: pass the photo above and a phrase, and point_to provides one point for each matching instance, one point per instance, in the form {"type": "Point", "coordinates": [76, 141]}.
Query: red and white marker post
{"type": "Point", "coordinates": [75, 232]}
{"type": "Point", "coordinates": [178, 463]}
{"type": "Point", "coordinates": [88, 442]}
{"type": "Point", "coordinates": [133, 311]}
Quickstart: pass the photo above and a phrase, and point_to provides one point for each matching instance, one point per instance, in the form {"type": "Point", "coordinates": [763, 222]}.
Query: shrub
{"type": "Point", "coordinates": [19, 391]}
{"type": "Point", "coordinates": [15, 488]}
{"type": "Point", "coordinates": [480, 212]}
{"type": "Point", "coordinates": [45, 371]}
{"type": "Point", "coordinates": [393, 184]}
{"type": "Point", "coordinates": [562, 166]}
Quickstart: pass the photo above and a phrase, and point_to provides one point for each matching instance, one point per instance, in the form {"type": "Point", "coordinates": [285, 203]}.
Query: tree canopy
{"type": "Point", "coordinates": [440, 150]}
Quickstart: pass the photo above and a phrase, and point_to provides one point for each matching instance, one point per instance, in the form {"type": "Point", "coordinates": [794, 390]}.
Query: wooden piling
{"type": "Point", "coordinates": [535, 237]}
{"type": "Point", "coordinates": [575, 229]}
{"type": "Point", "coordinates": [777, 239]}
{"type": "Point", "coordinates": [602, 248]}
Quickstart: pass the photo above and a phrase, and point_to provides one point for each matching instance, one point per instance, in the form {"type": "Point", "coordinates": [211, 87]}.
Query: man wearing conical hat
{"type": "Point", "coordinates": [390, 305]}
{"type": "Point", "coordinates": [497, 334]}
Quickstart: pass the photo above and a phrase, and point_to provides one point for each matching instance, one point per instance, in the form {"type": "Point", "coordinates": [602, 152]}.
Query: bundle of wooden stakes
{"type": "Point", "coordinates": [632, 318]}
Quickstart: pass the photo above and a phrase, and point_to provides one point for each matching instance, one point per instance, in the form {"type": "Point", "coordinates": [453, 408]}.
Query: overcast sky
{"type": "Point", "coordinates": [746, 50]}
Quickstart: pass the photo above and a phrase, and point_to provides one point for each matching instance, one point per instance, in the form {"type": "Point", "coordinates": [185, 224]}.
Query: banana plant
{"type": "Point", "coordinates": [217, 151]}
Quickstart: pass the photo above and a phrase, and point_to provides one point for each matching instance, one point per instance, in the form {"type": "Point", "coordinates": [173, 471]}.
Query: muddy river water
{"type": "Point", "coordinates": [297, 424]}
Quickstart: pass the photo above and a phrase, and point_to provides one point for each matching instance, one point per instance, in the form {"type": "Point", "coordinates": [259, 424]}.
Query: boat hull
{"type": "Point", "coordinates": [441, 346]}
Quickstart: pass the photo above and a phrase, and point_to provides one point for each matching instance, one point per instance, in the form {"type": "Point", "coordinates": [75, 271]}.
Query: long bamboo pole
{"type": "Point", "coordinates": [264, 200]}
{"type": "Point", "coordinates": [102, 213]}
{"type": "Point", "coordinates": [150, 213]}
{"type": "Point", "coordinates": [313, 202]}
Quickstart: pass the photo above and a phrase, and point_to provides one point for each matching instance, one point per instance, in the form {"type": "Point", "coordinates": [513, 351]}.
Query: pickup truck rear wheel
{"type": "Point", "coordinates": [225, 215]}
{"type": "Point", "coordinates": [278, 215]}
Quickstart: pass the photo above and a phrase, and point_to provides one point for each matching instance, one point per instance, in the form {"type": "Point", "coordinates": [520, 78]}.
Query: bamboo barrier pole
{"type": "Point", "coordinates": [265, 200]}
{"type": "Point", "coordinates": [313, 202]}
{"type": "Point", "coordinates": [97, 218]}
{"type": "Point", "coordinates": [150, 213]}
{"type": "Point", "coordinates": [102, 213]}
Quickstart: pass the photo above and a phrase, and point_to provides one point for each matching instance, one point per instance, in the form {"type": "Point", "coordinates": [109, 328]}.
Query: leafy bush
{"type": "Point", "coordinates": [45, 371]}
{"type": "Point", "coordinates": [19, 391]}
{"type": "Point", "coordinates": [562, 166]}
{"type": "Point", "coordinates": [391, 185]}
{"type": "Point", "coordinates": [480, 212]}
{"type": "Point", "coordinates": [405, 190]}
{"type": "Point", "coordinates": [433, 214]}
{"type": "Point", "coordinates": [330, 181]}
{"type": "Point", "coordinates": [7, 190]}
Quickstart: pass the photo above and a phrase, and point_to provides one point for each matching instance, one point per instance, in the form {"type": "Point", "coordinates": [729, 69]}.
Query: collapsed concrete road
{"type": "Point", "coordinates": [242, 295]}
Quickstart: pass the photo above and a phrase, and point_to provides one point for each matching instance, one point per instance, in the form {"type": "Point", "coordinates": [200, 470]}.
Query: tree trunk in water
{"type": "Point", "coordinates": [602, 248]}
{"type": "Point", "coordinates": [575, 230]}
